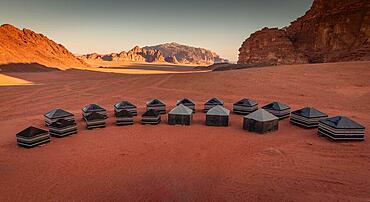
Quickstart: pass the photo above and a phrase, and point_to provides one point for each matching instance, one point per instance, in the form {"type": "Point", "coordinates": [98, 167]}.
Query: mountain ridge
{"type": "Point", "coordinates": [173, 53]}
{"type": "Point", "coordinates": [22, 46]}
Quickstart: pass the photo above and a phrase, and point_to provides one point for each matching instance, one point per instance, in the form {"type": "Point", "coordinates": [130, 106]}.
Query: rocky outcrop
{"type": "Point", "coordinates": [172, 59]}
{"type": "Point", "coordinates": [136, 54]}
{"type": "Point", "coordinates": [25, 46]}
{"type": "Point", "coordinates": [171, 53]}
{"type": "Point", "coordinates": [270, 47]}
{"type": "Point", "coordinates": [152, 55]}
{"type": "Point", "coordinates": [187, 54]}
{"type": "Point", "coordinates": [331, 31]}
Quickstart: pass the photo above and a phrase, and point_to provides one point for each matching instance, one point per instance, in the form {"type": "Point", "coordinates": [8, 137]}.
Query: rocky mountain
{"type": "Point", "coordinates": [171, 53]}
{"type": "Point", "coordinates": [25, 46]}
{"type": "Point", "coordinates": [331, 31]}
{"type": "Point", "coordinates": [186, 54]}
{"type": "Point", "coordinates": [136, 54]}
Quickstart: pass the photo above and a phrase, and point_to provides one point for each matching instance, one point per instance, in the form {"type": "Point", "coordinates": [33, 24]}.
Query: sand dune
{"type": "Point", "coordinates": [195, 163]}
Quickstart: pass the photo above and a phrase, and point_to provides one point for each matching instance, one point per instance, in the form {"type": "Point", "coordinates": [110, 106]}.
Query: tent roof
{"type": "Point", "coordinates": [124, 104]}
{"type": "Point", "coordinates": [93, 108]}
{"type": "Point", "coordinates": [94, 116]}
{"type": "Point", "coordinates": [215, 100]}
{"type": "Point", "coordinates": [246, 102]}
{"type": "Point", "coordinates": [155, 102]}
{"type": "Point", "coordinates": [31, 132]}
{"type": "Point", "coordinates": [151, 112]}
{"type": "Point", "coordinates": [62, 123]}
{"type": "Point", "coordinates": [124, 113]}
{"type": "Point", "coordinates": [57, 113]}
{"type": "Point", "coordinates": [276, 106]}
{"type": "Point", "coordinates": [342, 122]}
{"type": "Point", "coordinates": [181, 110]}
{"type": "Point", "coordinates": [185, 101]}
{"type": "Point", "coordinates": [218, 110]}
{"type": "Point", "coordinates": [309, 112]}
{"type": "Point", "coordinates": [261, 115]}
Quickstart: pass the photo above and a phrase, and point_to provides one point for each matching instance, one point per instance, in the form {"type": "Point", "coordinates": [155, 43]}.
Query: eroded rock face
{"type": "Point", "coordinates": [270, 47]}
{"type": "Point", "coordinates": [331, 31]}
{"type": "Point", "coordinates": [171, 59]}
{"type": "Point", "coordinates": [25, 46]}
{"type": "Point", "coordinates": [187, 54]}
{"type": "Point", "coordinates": [136, 54]}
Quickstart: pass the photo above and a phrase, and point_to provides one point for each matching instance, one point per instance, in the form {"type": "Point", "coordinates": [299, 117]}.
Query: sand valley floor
{"type": "Point", "coordinates": [187, 163]}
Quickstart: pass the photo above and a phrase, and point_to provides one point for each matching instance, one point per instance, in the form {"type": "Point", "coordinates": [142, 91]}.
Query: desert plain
{"type": "Point", "coordinates": [186, 163]}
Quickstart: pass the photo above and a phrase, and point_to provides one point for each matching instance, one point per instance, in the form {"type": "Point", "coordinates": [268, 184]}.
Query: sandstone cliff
{"type": "Point", "coordinates": [331, 31]}
{"type": "Point", "coordinates": [26, 46]}
{"type": "Point", "coordinates": [270, 47]}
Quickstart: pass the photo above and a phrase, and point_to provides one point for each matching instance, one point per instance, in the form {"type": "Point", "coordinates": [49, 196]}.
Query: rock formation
{"type": "Point", "coordinates": [187, 54]}
{"type": "Point", "coordinates": [25, 46]}
{"type": "Point", "coordinates": [136, 54]}
{"type": "Point", "coordinates": [331, 31]}
{"type": "Point", "coordinates": [171, 53]}
{"type": "Point", "coordinates": [270, 47]}
{"type": "Point", "coordinates": [172, 59]}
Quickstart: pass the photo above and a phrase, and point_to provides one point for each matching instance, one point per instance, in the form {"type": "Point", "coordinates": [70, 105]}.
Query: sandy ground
{"type": "Point", "coordinates": [193, 163]}
{"type": "Point", "coordinates": [6, 80]}
{"type": "Point", "coordinates": [143, 68]}
{"type": "Point", "coordinates": [156, 65]}
{"type": "Point", "coordinates": [141, 71]}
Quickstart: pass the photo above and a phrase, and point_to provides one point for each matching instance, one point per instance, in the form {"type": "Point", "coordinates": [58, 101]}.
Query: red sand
{"type": "Point", "coordinates": [187, 163]}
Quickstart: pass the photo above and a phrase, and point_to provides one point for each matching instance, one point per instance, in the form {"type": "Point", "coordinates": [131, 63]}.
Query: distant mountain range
{"type": "Point", "coordinates": [27, 47]}
{"type": "Point", "coordinates": [164, 53]}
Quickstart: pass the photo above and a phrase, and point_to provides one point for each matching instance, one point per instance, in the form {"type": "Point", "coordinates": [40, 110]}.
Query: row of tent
{"type": "Point", "coordinates": [261, 120]}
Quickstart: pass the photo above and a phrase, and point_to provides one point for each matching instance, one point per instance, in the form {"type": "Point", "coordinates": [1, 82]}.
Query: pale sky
{"type": "Point", "coordinates": [87, 26]}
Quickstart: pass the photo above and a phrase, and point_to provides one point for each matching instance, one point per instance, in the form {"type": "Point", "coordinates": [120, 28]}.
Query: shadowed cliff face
{"type": "Point", "coordinates": [26, 46]}
{"type": "Point", "coordinates": [331, 31]}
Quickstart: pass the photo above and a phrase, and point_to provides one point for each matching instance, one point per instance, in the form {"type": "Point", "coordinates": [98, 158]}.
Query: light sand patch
{"type": "Point", "coordinates": [12, 81]}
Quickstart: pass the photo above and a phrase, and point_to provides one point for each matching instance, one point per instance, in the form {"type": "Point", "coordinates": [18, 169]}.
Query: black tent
{"type": "Point", "coordinates": [278, 109]}
{"type": "Point", "coordinates": [212, 103]}
{"type": "Point", "coordinates": [261, 121]}
{"type": "Point", "coordinates": [218, 116]}
{"type": "Point", "coordinates": [156, 104]}
{"type": "Point", "coordinates": [151, 117]}
{"type": "Point", "coordinates": [125, 105]}
{"type": "Point", "coordinates": [245, 106]}
{"type": "Point", "coordinates": [62, 127]}
{"type": "Point", "coordinates": [124, 117]}
{"type": "Point", "coordinates": [93, 108]}
{"type": "Point", "coordinates": [95, 120]}
{"type": "Point", "coordinates": [341, 128]}
{"type": "Point", "coordinates": [57, 114]}
{"type": "Point", "coordinates": [187, 102]}
{"type": "Point", "coordinates": [181, 115]}
{"type": "Point", "coordinates": [32, 136]}
{"type": "Point", "coordinates": [307, 117]}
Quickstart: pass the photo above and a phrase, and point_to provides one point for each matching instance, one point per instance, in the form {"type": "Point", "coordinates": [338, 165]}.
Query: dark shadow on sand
{"type": "Point", "coordinates": [25, 67]}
